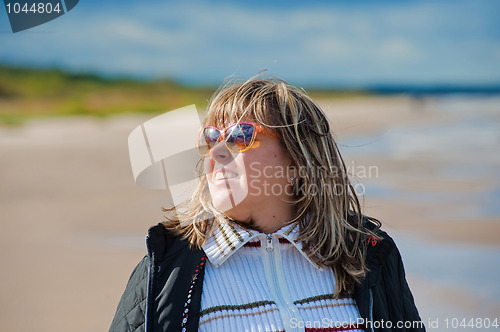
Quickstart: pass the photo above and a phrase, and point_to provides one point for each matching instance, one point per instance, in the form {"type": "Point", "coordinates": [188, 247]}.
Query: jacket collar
{"type": "Point", "coordinates": [227, 238]}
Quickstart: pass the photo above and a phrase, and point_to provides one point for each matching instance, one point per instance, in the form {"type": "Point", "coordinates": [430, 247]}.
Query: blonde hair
{"type": "Point", "coordinates": [330, 220]}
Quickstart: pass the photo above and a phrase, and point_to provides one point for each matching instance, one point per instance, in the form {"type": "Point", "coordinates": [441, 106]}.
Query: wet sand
{"type": "Point", "coordinates": [73, 221]}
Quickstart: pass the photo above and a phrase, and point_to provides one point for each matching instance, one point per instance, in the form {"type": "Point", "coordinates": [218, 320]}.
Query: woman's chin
{"type": "Point", "coordinates": [227, 207]}
{"type": "Point", "coordinates": [224, 202]}
{"type": "Point", "coordinates": [225, 199]}
{"type": "Point", "coordinates": [223, 206]}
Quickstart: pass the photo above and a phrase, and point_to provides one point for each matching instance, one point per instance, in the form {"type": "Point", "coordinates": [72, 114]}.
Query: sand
{"type": "Point", "coordinates": [73, 221]}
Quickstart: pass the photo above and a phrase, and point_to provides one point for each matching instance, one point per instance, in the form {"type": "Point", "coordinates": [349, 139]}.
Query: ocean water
{"type": "Point", "coordinates": [460, 265]}
{"type": "Point", "coordinates": [463, 145]}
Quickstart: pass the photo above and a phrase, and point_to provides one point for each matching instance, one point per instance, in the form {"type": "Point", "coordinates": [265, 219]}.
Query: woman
{"type": "Point", "coordinates": [273, 239]}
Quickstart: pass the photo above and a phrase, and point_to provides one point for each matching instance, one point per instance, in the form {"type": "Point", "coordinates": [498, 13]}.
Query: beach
{"type": "Point", "coordinates": [73, 221]}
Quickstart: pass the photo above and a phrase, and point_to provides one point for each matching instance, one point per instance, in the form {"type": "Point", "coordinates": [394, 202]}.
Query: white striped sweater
{"type": "Point", "coordinates": [259, 282]}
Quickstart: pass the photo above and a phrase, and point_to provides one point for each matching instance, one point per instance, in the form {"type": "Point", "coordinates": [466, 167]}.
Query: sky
{"type": "Point", "coordinates": [311, 43]}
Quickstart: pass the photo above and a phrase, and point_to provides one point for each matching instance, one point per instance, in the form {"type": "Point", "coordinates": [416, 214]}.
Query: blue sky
{"type": "Point", "coordinates": [342, 43]}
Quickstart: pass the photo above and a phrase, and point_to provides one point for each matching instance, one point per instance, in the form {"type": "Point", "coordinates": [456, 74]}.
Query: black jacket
{"type": "Point", "coordinates": [384, 299]}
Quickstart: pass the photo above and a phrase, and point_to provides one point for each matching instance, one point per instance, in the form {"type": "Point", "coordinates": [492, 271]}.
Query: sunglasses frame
{"type": "Point", "coordinates": [258, 128]}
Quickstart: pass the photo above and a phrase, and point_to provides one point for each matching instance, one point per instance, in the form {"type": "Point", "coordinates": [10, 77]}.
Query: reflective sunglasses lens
{"type": "Point", "coordinates": [239, 137]}
{"type": "Point", "coordinates": [207, 139]}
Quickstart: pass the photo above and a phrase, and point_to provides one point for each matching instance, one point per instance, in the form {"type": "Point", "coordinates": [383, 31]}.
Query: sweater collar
{"type": "Point", "coordinates": [227, 238]}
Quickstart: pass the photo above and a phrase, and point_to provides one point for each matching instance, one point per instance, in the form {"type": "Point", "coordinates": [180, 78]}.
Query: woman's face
{"type": "Point", "coordinates": [244, 185]}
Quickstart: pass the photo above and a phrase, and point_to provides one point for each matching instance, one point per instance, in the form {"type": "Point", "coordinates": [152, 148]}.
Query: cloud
{"type": "Point", "coordinates": [423, 42]}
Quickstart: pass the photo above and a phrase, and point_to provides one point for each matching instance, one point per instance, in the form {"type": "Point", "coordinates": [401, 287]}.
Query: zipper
{"type": "Point", "coordinates": [269, 243]}
{"type": "Point", "coordinates": [277, 285]}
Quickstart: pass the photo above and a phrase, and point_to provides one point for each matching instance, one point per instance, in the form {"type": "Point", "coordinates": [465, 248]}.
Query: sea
{"type": "Point", "coordinates": [463, 145]}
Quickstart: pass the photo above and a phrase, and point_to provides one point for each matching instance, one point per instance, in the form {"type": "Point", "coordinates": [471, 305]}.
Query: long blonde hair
{"type": "Point", "coordinates": [328, 210]}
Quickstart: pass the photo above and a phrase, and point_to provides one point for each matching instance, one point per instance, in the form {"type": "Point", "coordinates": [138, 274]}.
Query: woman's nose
{"type": "Point", "coordinates": [220, 153]}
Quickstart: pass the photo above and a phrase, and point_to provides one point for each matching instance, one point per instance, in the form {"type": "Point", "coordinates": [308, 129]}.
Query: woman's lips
{"type": "Point", "coordinates": [224, 175]}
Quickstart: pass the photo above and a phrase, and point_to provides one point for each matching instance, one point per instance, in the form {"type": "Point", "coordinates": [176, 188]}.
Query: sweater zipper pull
{"type": "Point", "coordinates": [269, 243]}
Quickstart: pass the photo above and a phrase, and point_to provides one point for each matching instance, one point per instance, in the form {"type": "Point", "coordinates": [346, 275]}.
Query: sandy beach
{"type": "Point", "coordinates": [73, 221]}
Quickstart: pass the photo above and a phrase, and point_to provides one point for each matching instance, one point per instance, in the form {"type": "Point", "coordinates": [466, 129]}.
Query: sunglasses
{"type": "Point", "coordinates": [238, 137]}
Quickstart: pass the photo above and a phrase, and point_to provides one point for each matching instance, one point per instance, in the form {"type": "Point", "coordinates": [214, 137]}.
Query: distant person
{"type": "Point", "coordinates": [273, 238]}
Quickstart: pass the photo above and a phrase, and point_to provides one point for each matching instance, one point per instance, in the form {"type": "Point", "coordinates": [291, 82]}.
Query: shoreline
{"type": "Point", "coordinates": [69, 204]}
